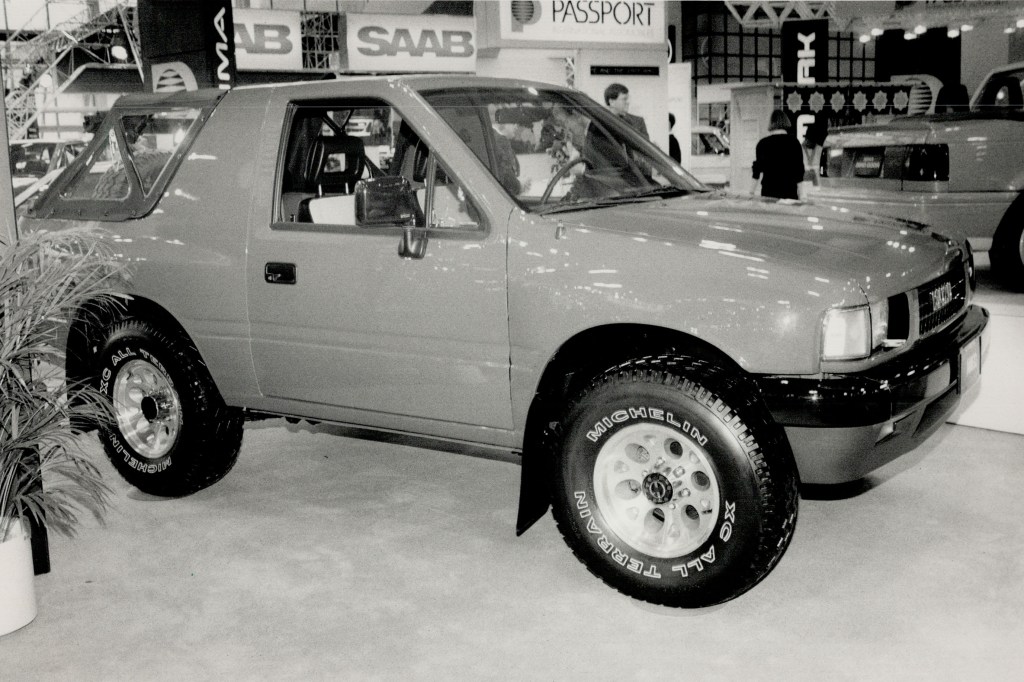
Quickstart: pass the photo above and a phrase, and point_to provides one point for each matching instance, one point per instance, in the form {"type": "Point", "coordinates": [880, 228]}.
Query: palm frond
{"type": "Point", "coordinates": [46, 280]}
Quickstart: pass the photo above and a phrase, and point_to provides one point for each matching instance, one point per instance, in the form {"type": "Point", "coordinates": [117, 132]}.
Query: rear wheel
{"type": "Point", "coordinates": [672, 485]}
{"type": "Point", "coordinates": [172, 435]}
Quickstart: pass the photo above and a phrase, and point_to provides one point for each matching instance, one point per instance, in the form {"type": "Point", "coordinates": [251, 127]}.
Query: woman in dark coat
{"type": "Point", "coordinates": [779, 161]}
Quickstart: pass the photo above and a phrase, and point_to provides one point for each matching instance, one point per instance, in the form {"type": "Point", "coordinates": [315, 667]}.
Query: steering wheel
{"type": "Point", "coordinates": [561, 173]}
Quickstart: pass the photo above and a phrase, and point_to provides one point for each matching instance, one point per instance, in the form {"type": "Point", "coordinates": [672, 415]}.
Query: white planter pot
{"type": "Point", "coordinates": [17, 581]}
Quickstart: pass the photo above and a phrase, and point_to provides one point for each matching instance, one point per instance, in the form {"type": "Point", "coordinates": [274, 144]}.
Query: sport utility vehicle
{"type": "Point", "coordinates": [961, 171]}
{"type": "Point", "coordinates": [514, 272]}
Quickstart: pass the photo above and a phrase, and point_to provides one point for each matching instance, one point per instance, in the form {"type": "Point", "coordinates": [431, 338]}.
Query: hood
{"type": "Point", "coordinates": [871, 251]}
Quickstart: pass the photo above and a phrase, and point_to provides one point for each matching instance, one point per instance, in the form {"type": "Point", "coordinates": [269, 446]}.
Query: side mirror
{"type": "Point", "coordinates": [385, 202]}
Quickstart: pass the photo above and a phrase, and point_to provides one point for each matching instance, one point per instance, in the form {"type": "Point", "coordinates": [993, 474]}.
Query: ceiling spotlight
{"type": "Point", "coordinates": [919, 29]}
{"type": "Point", "coordinates": [909, 35]}
{"type": "Point", "coordinates": [119, 48]}
{"type": "Point", "coordinates": [953, 33]}
{"type": "Point", "coordinates": [1009, 29]}
{"type": "Point", "coordinates": [876, 32]}
{"type": "Point", "coordinates": [865, 38]}
{"type": "Point", "coordinates": [966, 27]}
{"type": "Point", "coordinates": [1020, 23]}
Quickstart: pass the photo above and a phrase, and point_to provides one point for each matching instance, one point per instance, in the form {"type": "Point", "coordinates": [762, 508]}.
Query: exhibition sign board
{"type": "Point", "coordinates": [583, 21]}
{"type": "Point", "coordinates": [385, 43]}
{"type": "Point", "coordinates": [268, 40]}
{"type": "Point", "coordinates": [199, 53]}
{"type": "Point", "coordinates": [805, 51]}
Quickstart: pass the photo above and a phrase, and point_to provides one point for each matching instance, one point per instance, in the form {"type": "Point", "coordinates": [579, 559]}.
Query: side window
{"type": "Point", "coordinates": [333, 146]}
{"type": "Point", "coordinates": [153, 138]}
{"type": "Point", "coordinates": [150, 140]}
{"type": "Point", "coordinates": [105, 177]}
{"type": "Point", "coordinates": [330, 148]}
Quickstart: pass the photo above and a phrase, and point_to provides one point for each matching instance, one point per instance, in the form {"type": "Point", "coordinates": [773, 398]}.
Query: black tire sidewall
{"type": "Point", "coordinates": [121, 347]}
{"type": "Point", "coordinates": [711, 567]}
{"type": "Point", "coordinates": [1004, 255]}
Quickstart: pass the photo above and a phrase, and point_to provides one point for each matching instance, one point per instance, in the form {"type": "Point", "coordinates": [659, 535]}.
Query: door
{"type": "Point", "coordinates": [341, 318]}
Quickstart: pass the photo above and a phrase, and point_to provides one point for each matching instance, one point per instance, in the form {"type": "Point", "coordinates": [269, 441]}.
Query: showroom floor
{"type": "Point", "coordinates": [325, 558]}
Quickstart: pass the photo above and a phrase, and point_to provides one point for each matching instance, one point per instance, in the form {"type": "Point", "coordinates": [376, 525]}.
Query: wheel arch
{"type": "Point", "coordinates": [576, 361]}
{"type": "Point", "coordinates": [92, 318]}
{"type": "Point", "coordinates": [1007, 265]}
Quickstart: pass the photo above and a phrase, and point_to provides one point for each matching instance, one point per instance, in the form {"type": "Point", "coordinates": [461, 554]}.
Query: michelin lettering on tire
{"type": "Point", "coordinates": [663, 489]}
{"type": "Point", "coordinates": [173, 435]}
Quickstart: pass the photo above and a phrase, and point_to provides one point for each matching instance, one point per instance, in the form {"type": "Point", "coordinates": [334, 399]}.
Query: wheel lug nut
{"type": "Point", "coordinates": [685, 492]}
{"type": "Point", "coordinates": [672, 505]}
{"type": "Point", "coordinates": [679, 471]}
{"type": "Point", "coordinates": [661, 460]}
{"type": "Point", "coordinates": [704, 503]}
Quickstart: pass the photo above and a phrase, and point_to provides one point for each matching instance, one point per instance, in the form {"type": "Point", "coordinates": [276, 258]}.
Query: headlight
{"type": "Point", "coordinates": [852, 333]}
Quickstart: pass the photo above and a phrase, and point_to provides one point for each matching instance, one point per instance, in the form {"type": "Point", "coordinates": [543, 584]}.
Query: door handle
{"type": "Point", "coordinates": [279, 273]}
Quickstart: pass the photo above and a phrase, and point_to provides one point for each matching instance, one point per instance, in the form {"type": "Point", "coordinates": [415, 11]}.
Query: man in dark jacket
{"type": "Point", "coordinates": [616, 96]}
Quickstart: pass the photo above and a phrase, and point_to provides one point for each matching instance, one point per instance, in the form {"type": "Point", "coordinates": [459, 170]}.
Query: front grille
{"type": "Point", "coordinates": [941, 299]}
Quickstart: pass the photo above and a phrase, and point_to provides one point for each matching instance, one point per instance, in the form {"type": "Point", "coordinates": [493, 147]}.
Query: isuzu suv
{"type": "Point", "coordinates": [960, 170]}
{"type": "Point", "coordinates": [504, 267]}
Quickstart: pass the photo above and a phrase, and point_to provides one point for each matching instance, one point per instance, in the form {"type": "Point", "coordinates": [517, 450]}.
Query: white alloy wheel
{"type": "Point", "coordinates": [656, 490]}
{"type": "Point", "coordinates": [147, 407]}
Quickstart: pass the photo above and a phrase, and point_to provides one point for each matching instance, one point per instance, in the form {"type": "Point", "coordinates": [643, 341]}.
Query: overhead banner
{"type": "Point", "coordinates": [268, 40]}
{"type": "Point", "coordinates": [385, 42]}
{"type": "Point", "coordinates": [843, 104]}
{"type": "Point", "coordinates": [805, 51]}
{"type": "Point", "coordinates": [583, 21]}
{"type": "Point", "coordinates": [198, 53]}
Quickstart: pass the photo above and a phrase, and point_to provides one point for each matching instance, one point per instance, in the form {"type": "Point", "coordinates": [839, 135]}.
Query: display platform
{"type": "Point", "coordinates": [999, 403]}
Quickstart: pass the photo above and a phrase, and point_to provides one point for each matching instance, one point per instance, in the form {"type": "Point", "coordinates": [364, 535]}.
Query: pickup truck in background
{"type": "Point", "coordinates": [961, 171]}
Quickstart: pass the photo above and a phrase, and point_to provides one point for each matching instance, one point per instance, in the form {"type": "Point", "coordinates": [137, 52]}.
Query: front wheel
{"type": "Point", "coordinates": [1007, 252]}
{"type": "Point", "coordinates": [172, 435]}
{"type": "Point", "coordinates": [672, 485]}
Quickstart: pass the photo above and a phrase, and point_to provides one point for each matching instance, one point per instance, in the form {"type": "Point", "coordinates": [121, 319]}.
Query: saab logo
{"type": "Point", "coordinates": [173, 77]}
{"type": "Point", "coordinates": [265, 39]}
{"type": "Point", "coordinates": [448, 44]}
{"type": "Point", "coordinates": [524, 13]}
{"type": "Point", "coordinates": [942, 296]}
{"type": "Point", "coordinates": [221, 48]}
{"type": "Point", "coordinates": [805, 59]}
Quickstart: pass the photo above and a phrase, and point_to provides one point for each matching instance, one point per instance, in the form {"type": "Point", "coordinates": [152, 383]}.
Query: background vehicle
{"type": "Point", "coordinates": [516, 272]}
{"type": "Point", "coordinates": [709, 156]}
{"type": "Point", "coordinates": [960, 172]}
{"type": "Point", "coordinates": [32, 159]}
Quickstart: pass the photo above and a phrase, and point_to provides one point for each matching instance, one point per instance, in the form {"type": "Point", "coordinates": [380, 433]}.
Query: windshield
{"type": "Point", "coordinates": [557, 150]}
{"type": "Point", "coordinates": [1003, 92]}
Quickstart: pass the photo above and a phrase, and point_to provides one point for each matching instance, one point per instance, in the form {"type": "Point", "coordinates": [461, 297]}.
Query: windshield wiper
{"type": "Point", "coordinates": [662, 192]}
{"type": "Point", "coordinates": [656, 193]}
{"type": "Point", "coordinates": [562, 207]}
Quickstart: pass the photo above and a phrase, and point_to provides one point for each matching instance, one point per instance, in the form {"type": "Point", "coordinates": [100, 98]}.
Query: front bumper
{"type": "Point", "coordinates": [842, 426]}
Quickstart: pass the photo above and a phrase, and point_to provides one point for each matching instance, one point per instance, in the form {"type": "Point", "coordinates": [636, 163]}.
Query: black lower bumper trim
{"type": "Point", "coordinates": [876, 395]}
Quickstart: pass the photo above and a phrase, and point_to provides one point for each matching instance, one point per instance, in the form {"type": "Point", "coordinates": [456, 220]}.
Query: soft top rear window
{"type": "Point", "coordinates": [132, 156]}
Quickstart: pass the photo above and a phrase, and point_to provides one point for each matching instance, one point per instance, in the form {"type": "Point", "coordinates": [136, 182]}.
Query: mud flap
{"type": "Point", "coordinates": [534, 493]}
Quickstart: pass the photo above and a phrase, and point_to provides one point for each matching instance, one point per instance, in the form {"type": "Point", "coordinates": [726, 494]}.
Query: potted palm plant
{"type": "Point", "coordinates": [45, 279]}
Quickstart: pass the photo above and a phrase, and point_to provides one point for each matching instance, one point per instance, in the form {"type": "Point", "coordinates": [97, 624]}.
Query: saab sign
{"type": "Point", "coordinates": [268, 40]}
{"type": "Point", "coordinates": [381, 42]}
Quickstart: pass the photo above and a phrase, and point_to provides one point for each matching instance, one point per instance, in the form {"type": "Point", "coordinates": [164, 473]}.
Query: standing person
{"type": "Point", "coordinates": [779, 160]}
{"type": "Point", "coordinates": [673, 144]}
{"type": "Point", "coordinates": [616, 96]}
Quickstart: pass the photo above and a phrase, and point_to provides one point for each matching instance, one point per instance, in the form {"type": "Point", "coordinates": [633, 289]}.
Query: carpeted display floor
{"type": "Point", "coordinates": [325, 558]}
